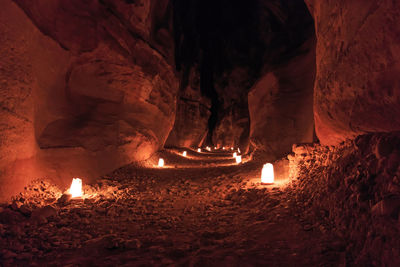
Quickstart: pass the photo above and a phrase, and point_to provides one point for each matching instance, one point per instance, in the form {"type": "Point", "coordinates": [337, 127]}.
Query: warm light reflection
{"type": "Point", "coordinates": [234, 155]}
{"type": "Point", "coordinates": [199, 150]}
{"type": "Point", "coordinates": [267, 174]}
{"type": "Point", "coordinates": [161, 162]}
{"type": "Point", "coordinates": [238, 159]}
{"type": "Point", "coordinates": [76, 188]}
{"type": "Point", "coordinates": [184, 153]}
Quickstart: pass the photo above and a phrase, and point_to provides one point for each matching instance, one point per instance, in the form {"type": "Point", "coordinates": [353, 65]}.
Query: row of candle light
{"type": "Point", "coordinates": [267, 175]}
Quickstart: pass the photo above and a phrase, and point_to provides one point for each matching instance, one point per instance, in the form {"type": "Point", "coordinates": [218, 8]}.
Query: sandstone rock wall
{"type": "Point", "coordinates": [86, 87]}
{"type": "Point", "coordinates": [192, 114]}
{"type": "Point", "coordinates": [280, 105]}
{"type": "Point", "coordinates": [358, 64]}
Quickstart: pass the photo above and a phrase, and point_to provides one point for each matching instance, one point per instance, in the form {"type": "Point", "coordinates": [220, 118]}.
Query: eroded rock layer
{"type": "Point", "coordinates": [357, 86]}
{"type": "Point", "coordinates": [86, 87]}
{"type": "Point", "coordinates": [280, 105]}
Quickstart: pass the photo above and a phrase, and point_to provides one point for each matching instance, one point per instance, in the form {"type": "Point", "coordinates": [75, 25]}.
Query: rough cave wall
{"type": "Point", "coordinates": [281, 105]}
{"type": "Point", "coordinates": [192, 114]}
{"type": "Point", "coordinates": [86, 87]}
{"type": "Point", "coordinates": [358, 63]}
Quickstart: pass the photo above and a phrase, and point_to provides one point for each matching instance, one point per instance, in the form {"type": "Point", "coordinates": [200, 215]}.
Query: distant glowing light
{"type": "Point", "coordinates": [239, 150]}
{"type": "Point", "coordinates": [267, 174]}
{"type": "Point", "coordinates": [215, 147]}
{"type": "Point", "coordinates": [231, 148]}
{"type": "Point", "coordinates": [208, 148]}
{"type": "Point", "coordinates": [234, 155]}
{"type": "Point", "coordinates": [76, 188]}
{"type": "Point", "coordinates": [223, 148]}
{"type": "Point", "coordinates": [238, 159]}
{"type": "Point", "coordinates": [184, 153]}
{"type": "Point", "coordinates": [161, 162]}
{"type": "Point", "coordinates": [199, 150]}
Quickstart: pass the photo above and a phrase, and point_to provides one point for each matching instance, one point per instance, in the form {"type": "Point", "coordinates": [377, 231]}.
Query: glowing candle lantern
{"type": "Point", "coordinates": [238, 159]}
{"type": "Point", "coordinates": [184, 153]}
{"type": "Point", "coordinates": [199, 150]}
{"type": "Point", "coordinates": [234, 155]}
{"type": "Point", "coordinates": [161, 162]}
{"type": "Point", "coordinates": [267, 174]}
{"type": "Point", "coordinates": [76, 188]}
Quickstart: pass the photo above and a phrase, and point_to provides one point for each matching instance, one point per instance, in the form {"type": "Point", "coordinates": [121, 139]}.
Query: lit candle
{"type": "Point", "coordinates": [238, 159]}
{"type": "Point", "coordinates": [161, 162]}
{"type": "Point", "coordinates": [267, 174]}
{"type": "Point", "coordinates": [231, 148]}
{"type": "Point", "coordinates": [239, 150]}
{"type": "Point", "coordinates": [76, 188]}
{"type": "Point", "coordinates": [184, 153]}
{"type": "Point", "coordinates": [199, 150]}
{"type": "Point", "coordinates": [223, 148]}
{"type": "Point", "coordinates": [234, 155]}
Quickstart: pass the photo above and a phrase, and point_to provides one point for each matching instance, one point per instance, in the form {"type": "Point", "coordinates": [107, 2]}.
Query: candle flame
{"type": "Point", "coordinates": [239, 150]}
{"type": "Point", "coordinates": [208, 148]}
{"type": "Point", "coordinates": [76, 188]}
{"type": "Point", "coordinates": [267, 174]}
{"type": "Point", "coordinates": [238, 159]}
{"type": "Point", "coordinates": [234, 155]}
{"type": "Point", "coordinates": [184, 153]}
{"type": "Point", "coordinates": [161, 162]}
{"type": "Point", "coordinates": [199, 150]}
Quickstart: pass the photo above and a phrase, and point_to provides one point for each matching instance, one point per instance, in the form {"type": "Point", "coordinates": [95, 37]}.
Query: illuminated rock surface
{"type": "Point", "coordinates": [203, 215]}
{"type": "Point", "coordinates": [356, 86]}
{"type": "Point", "coordinates": [86, 88]}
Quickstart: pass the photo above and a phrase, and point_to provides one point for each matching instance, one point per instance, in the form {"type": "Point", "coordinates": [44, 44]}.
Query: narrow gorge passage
{"type": "Point", "coordinates": [203, 210]}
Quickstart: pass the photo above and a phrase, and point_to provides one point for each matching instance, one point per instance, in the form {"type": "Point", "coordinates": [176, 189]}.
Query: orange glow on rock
{"type": "Point", "coordinates": [267, 174]}
{"type": "Point", "coordinates": [161, 162]}
{"type": "Point", "coordinates": [76, 188]}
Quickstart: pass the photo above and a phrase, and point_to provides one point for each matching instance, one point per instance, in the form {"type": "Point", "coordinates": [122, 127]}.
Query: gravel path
{"type": "Point", "coordinates": [202, 210]}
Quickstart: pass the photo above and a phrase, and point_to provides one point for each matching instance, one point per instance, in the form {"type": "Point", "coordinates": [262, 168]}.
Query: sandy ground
{"type": "Point", "coordinates": [203, 210]}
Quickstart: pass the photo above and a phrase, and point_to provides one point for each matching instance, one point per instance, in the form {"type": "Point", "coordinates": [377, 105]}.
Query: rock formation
{"type": "Point", "coordinates": [280, 105]}
{"type": "Point", "coordinates": [86, 87]}
{"type": "Point", "coordinates": [357, 86]}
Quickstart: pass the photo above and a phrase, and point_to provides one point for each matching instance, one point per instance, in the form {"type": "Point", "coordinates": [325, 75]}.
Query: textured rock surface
{"type": "Point", "coordinates": [190, 215]}
{"type": "Point", "coordinates": [88, 87]}
{"type": "Point", "coordinates": [352, 189]}
{"type": "Point", "coordinates": [358, 62]}
{"type": "Point", "coordinates": [192, 114]}
{"type": "Point", "coordinates": [280, 105]}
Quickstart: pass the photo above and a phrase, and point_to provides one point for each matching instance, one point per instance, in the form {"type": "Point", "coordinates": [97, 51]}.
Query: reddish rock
{"type": "Point", "coordinates": [357, 56]}
{"type": "Point", "coordinates": [192, 114]}
{"type": "Point", "coordinates": [280, 106]}
{"type": "Point", "coordinates": [86, 88]}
